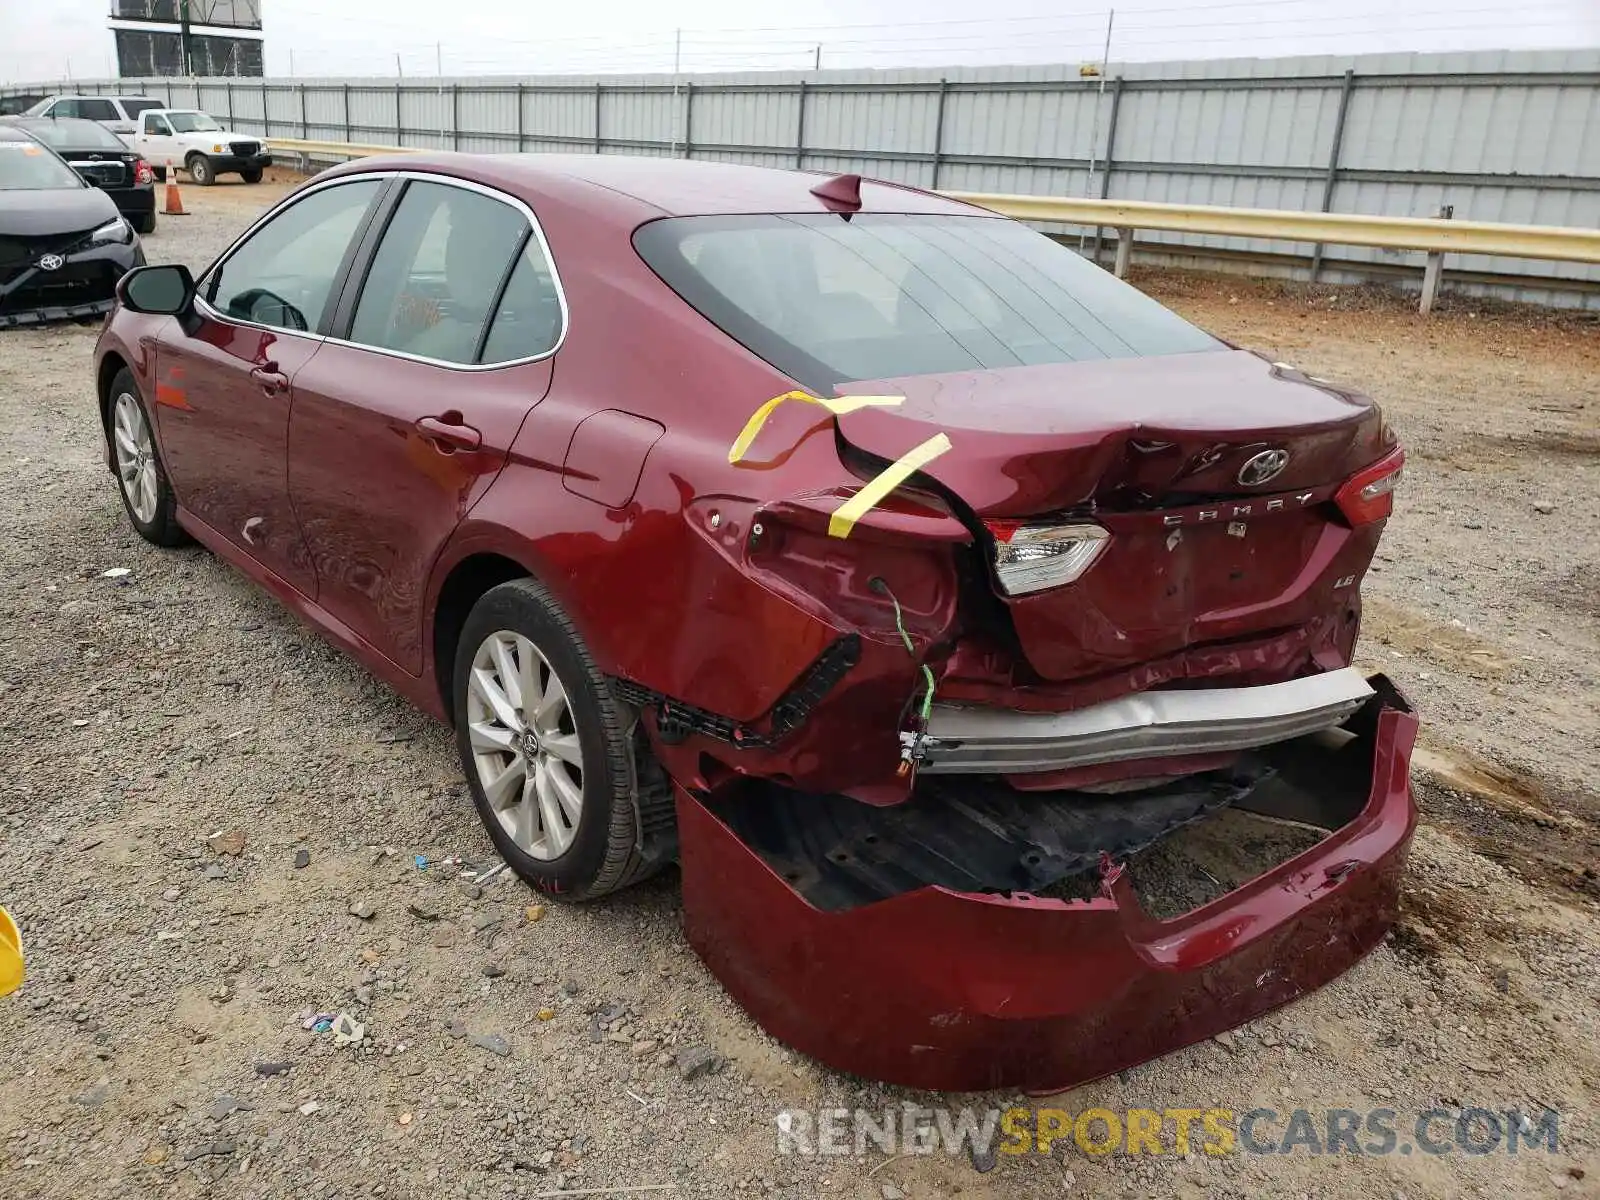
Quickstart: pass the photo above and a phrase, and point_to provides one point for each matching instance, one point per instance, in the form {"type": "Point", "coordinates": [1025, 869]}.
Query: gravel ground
{"type": "Point", "coordinates": [209, 823]}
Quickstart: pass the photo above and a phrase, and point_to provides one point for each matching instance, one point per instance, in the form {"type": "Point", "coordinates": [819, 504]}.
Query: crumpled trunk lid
{"type": "Point", "coordinates": [1214, 473]}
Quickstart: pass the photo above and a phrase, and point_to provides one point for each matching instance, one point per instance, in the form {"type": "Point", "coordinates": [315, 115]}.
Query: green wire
{"type": "Point", "coordinates": [927, 672]}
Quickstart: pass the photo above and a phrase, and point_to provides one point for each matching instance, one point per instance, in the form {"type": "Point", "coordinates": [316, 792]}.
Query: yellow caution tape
{"type": "Point", "coordinates": [11, 968]}
{"type": "Point", "coordinates": [837, 405]}
{"type": "Point", "coordinates": [844, 517]}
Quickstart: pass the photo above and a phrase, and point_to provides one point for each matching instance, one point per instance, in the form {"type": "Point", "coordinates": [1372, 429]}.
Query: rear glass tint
{"type": "Point", "coordinates": [134, 107]}
{"type": "Point", "coordinates": [76, 135]}
{"type": "Point", "coordinates": [826, 300]}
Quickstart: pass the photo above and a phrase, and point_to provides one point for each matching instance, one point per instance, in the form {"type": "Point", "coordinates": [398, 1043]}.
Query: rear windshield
{"type": "Point", "coordinates": [134, 107]}
{"type": "Point", "coordinates": [29, 167]}
{"type": "Point", "coordinates": [826, 300]}
{"type": "Point", "coordinates": [76, 135]}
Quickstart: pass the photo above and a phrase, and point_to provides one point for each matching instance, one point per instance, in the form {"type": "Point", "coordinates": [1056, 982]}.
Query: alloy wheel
{"type": "Point", "coordinates": [136, 457]}
{"type": "Point", "coordinates": [525, 744]}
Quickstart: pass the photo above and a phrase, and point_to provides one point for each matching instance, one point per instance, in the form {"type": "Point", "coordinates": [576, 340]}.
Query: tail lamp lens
{"type": "Point", "coordinates": [142, 174]}
{"type": "Point", "coordinates": [1029, 558]}
{"type": "Point", "coordinates": [1368, 495]}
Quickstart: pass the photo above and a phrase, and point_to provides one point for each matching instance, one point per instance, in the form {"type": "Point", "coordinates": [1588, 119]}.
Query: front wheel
{"type": "Point", "coordinates": [547, 749]}
{"type": "Point", "coordinates": [201, 170]}
{"type": "Point", "coordinates": [146, 493]}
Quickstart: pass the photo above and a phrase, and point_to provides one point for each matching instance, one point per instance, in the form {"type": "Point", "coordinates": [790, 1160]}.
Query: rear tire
{"type": "Point", "coordinates": [146, 223]}
{"type": "Point", "coordinates": [547, 749]}
{"type": "Point", "coordinates": [253, 176]}
{"type": "Point", "coordinates": [160, 174]}
{"type": "Point", "coordinates": [201, 170]}
{"type": "Point", "coordinates": [142, 483]}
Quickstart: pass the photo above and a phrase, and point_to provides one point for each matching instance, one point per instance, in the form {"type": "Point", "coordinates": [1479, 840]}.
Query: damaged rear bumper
{"type": "Point", "coordinates": [939, 987]}
{"type": "Point", "coordinates": [1147, 725]}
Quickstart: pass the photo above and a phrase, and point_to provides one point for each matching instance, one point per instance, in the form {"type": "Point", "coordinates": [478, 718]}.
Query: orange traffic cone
{"type": "Point", "coordinates": [174, 202]}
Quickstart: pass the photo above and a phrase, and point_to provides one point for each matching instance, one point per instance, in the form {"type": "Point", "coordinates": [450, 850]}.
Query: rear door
{"type": "Point", "coordinates": [97, 108]}
{"type": "Point", "coordinates": [225, 386]}
{"type": "Point", "coordinates": [404, 418]}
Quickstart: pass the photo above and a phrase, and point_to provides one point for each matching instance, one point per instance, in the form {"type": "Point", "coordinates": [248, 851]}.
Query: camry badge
{"type": "Point", "coordinates": [1263, 468]}
{"type": "Point", "coordinates": [52, 262]}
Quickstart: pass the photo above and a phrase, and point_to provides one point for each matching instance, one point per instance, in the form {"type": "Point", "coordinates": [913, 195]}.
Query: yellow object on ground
{"type": "Point", "coordinates": [844, 517]}
{"type": "Point", "coordinates": [837, 405]}
{"type": "Point", "coordinates": [11, 969]}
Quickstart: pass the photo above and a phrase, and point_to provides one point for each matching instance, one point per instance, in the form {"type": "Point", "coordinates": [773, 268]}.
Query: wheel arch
{"type": "Point", "coordinates": [111, 363]}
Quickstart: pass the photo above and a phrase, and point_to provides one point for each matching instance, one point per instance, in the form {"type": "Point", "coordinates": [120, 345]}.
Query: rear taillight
{"type": "Point", "coordinates": [142, 174]}
{"type": "Point", "coordinates": [1029, 558]}
{"type": "Point", "coordinates": [1368, 495]}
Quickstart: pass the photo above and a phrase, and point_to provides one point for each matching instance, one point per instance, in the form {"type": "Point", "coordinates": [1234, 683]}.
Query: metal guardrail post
{"type": "Point", "coordinates": [1110, 160]}
{"type": "Point", "coordinates": [1124, 251]}
{"type": "Point", "coordinates": [1433, 273]}
{"type": "Point", "coordinates": [938, 132]}
{"type": "Point", "coordinates": [688, 120]}
{"type": "Point", "coordinates": [1333, 162]}
{"type": "Point", "coordinates": [800, 130]}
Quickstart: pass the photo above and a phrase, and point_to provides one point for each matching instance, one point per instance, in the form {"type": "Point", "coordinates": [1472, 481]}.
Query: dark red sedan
{"type": "Point", "coordinates": [892, 567]}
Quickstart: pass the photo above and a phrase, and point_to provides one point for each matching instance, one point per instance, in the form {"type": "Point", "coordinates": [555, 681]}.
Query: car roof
{"type": "Point", "coordinates": [666, 186]}
{"type": "Point", "coordinates": [96, 96]}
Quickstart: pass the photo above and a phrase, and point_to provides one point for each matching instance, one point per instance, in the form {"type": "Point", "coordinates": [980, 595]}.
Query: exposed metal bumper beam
{"type": "Point", "coordinates": [964, 740]}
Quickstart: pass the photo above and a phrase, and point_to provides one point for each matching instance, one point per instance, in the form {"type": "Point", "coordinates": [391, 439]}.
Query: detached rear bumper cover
{"type": "Point", "coordinates": [1147, 725]}
{"type": "Point", "coordinates": [948, 990]}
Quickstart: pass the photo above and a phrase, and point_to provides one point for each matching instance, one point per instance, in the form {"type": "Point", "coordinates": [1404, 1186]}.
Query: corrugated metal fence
{"type": "Point", "coordinates": [1505, 136]}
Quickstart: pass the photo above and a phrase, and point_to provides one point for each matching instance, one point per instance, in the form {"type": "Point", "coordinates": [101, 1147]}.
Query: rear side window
{"type": "Point", "coordinates": [97, 110]}
{"type": "Point", "coordinates": [446, 257]}
{"type": "Point", "coordinates": [828, 301]}
{"type": "Point", "coordinates": [134, 107]}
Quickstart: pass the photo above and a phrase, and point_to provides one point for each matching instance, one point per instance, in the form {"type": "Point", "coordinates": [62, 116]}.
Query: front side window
{"type": "Point", "coordinates": [97, 110]}
{"type": "Point", "coordinates": [29, 167]}
{"type": "Point", "coordinates": [438, 273]}
{"type": "Point", "coordinates": [192, 122]}
{"type": "Point", "coordinates": [153, 123]}
{"type": "Point", "coordinates": [283, 273]}
{"type": "Point", "coordinates": [829, 301]}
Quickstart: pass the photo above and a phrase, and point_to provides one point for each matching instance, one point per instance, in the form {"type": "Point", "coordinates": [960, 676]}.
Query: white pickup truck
{"type": "Point", "coordinates": [189, 139]}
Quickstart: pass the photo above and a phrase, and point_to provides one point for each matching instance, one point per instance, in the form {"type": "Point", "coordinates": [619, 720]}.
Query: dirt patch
{"type": "Point", "coordinates": [1206, 860]}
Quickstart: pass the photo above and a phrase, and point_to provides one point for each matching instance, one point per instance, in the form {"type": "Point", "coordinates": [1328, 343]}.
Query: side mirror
{"type": "Point", "coordinates": [165, 290]}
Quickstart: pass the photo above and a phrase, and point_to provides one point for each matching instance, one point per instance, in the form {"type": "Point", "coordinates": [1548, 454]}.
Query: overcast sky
{"type": "Point", "coordinates": [41, 39]}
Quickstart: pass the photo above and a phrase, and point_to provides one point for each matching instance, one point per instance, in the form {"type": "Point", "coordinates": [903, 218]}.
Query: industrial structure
{"type": "Point", "coordinates": [176, 39]}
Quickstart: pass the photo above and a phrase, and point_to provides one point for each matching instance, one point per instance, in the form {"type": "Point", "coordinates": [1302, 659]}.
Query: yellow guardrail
{"type": "Point", "coordinates": [1435, 236]}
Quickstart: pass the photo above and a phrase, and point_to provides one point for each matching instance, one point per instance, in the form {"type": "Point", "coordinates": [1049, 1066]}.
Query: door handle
{"type": "Point", "coordinates": [449, 433]}
{"type": "Point", "coordinates": [272, 380]}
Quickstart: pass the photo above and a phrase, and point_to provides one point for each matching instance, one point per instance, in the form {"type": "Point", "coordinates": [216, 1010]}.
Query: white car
{"type": "Point", "coordinates": [194, 141]}
{"type": "Point", "coordinates": [120, 114]}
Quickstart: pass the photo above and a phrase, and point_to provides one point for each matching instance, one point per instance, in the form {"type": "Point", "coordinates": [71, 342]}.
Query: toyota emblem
{"type": "Point", "coordinates": [1263, 468]}
{"type": "Point", "coordinates": [51, 262]}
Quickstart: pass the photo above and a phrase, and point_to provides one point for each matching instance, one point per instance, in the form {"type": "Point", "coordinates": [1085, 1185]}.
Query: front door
{"type": "Point", "coordinates": [401, 426]}
{"type": "Point", "coordinates": [157, 143]}
{"type": "Point", "coordinates": [225, 382]}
